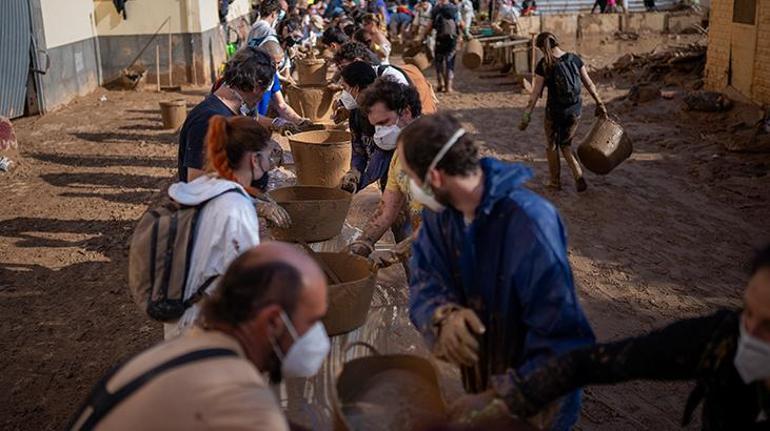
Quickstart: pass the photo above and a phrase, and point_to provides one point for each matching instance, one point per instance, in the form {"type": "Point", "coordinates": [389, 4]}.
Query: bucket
{"type": "Point", "coordinates": [388, 392]}
{"type": "Point", "coordinates": [315, 102]}
{"type": "Point", "coordinates": [473, 55]}
{"type": "Point", "coordinates": [322, 157]}
{"type": "Point", "coordinates": [317, 213]}
{"type": "Point", "coordinates": [173, 113]}
{"type": "Point", "coordinates": [349, 300]}
{"type": "Point", "coordinates": [420, 60]}
{"type": "Point", "coordinates": [312, 71]}
{"type": "Point", "coordinates": [605, 147]}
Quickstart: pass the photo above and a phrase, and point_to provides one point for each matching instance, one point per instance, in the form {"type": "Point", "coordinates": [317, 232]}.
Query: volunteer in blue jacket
{"type": "Point", "coordinates": [491, 288]}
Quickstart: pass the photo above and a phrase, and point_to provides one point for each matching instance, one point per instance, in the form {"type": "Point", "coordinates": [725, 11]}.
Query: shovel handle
{"type": "Point", "coordinates": [371, 348]}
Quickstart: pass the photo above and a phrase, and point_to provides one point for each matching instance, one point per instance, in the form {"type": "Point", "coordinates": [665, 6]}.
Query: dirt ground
{"type": "Point", "coordinates": [667, 235]}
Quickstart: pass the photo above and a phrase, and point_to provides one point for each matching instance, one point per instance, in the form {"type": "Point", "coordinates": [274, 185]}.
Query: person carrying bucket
{"type": "Point", "coordinates": [562, 73]}
{"type": "Point", "coordinates": [491, 287]}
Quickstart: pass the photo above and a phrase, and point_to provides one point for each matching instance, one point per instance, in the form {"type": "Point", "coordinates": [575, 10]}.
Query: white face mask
{"type": "Point", "coordinates": [386, 137]}
{"type": "Point", "coordinates": [306, 354]}
{"type": "Point", "coordinates": [348, 101]}
{"type": "Point", "coordinates": [752, 360]}
{"type": "Point", "coordinates": [424, 194]}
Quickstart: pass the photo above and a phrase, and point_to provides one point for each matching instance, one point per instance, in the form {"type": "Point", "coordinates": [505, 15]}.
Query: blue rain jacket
{"type": "Point", "coordinates": [510, 266]}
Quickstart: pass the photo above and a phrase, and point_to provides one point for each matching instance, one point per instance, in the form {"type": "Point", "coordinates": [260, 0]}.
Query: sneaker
{"type": "Point", "coordinates": [581, 184]}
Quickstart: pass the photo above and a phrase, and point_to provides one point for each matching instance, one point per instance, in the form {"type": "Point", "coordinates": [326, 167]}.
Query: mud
{"type": "Point", "coordinates": [317, 213]}
{"type": "Point", "coordinates": [667, 235]}
{"type": "Point", "coordinates": [321, 157]}
{"type": "Point", "coordinates": [312, 101]}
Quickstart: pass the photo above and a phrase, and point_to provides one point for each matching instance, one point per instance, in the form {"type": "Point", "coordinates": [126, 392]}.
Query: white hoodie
{"type": "Point", "coordinates": [228, 226]}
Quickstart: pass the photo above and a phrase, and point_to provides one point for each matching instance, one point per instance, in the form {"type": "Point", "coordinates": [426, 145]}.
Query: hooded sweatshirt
{"type": "Point", "coordinates": [228, 226]}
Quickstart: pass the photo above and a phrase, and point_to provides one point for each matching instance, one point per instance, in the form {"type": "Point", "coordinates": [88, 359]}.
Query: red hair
{"type": "Point", "coordinates": [228, 140]}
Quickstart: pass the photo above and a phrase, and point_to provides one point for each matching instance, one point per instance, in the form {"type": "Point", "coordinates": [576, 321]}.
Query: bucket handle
{"type": "Point", "coordinates": [346, 349]}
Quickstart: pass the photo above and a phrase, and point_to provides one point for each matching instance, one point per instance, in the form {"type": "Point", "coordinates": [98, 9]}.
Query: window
{"type": "Point", "coordinates": [745, 11]}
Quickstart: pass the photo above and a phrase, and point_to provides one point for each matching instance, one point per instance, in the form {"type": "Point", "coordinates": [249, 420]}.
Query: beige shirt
{"type": "Point", "coordinates": [223, 393]}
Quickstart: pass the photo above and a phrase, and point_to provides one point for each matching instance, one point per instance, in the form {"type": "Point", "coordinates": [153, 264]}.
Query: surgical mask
{"type": "Point", "coordinates": [261, 182]}
{"type": "Point", "coordinates": [306, 354]}
{"type": "Point", "coordinates": [244, 109]}
{"type": "Point", "coordinates": [278, 19]}
{"type": "Point", "coordinates": [424, 194]}
{"type": "Point", "coordinates": [348, 101]}
{"type": "Point", "coordinates": [386, 137]}
{"type": "Point", "coordinates": [752, 360]}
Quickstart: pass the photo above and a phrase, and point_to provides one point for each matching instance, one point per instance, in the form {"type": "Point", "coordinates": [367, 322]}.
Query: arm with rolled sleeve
{"type": "Point", "coordinates": [429, 285]}
{"type": "Point", "coordinates": [553, 319]}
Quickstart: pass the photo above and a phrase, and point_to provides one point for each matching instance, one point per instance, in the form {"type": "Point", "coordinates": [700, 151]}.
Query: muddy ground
{"type": "Point", "coordinates": [666, 235]}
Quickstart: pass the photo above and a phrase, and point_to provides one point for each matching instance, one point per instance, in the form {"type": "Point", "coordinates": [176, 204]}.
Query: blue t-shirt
{"type": "Point", "coordinates": [264, 104]}
{"type": "Point", "coordinates": [193, 134]}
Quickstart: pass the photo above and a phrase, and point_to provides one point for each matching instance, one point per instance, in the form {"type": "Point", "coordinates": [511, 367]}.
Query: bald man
{"type": "Point", "coordinates": [726, 354]}
{"type": "Point", "coordinates": [264, 318]}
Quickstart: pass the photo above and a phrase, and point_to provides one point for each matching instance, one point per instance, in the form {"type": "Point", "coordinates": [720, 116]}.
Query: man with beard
{"type": "Point", "coordinates": [491, 287]}
{"type": "Point", "coordinates": [265, 318]}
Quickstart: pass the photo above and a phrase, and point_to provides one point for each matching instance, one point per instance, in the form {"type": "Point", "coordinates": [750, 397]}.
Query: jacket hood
{"type": "Point", "coordinates": [500, 179]}
{"type": "Point", "coordinates": [200, 189]}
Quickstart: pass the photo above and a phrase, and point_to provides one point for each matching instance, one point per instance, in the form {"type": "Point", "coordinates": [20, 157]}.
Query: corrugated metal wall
{"type": "Point", "coordinates": [15, 38]}
{"type": "Point", "coordinates": [571, 6]}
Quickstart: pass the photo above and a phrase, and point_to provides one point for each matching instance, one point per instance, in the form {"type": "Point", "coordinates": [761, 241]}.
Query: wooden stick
{"type": "Point", "coordinates": [157, 65]}
{"type": "Point", "coordinates": [170, 62]}
{"type": "Point", "coordinates": [534, 55]}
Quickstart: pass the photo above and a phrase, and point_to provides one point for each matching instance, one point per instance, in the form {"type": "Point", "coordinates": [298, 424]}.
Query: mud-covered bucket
{"type": "Point", "coordinates": [312, 71]}
{"type": "Point", "coordinates": [322, 157]}
{"type": "Point", "coordinates": [350, 295]}
{"type": "Point", "coordinates": [317, 213]}
{"type": "Point", "coordinates": [418, 59]}
{"type": "Point", "coordinates": [473, 55]}
{"type": "Point", "coordinates": [315, 102]}
{"type": "Point", "coordinates": [605, 147]}
{"type": "Point", "coordinates": [388, 392]}
{"type": "Point", "coordinates": [173, 113]}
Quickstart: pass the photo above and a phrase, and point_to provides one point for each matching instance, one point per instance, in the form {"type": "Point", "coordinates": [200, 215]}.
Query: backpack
{"type": "Point", "coordinates": [565, 82]}
{"type": "Point", "coordinates": [159, 259]}
{"type": "Point", "coordinates": [446, 27]}
{"type": "Point", "coordinates": [428, 99]}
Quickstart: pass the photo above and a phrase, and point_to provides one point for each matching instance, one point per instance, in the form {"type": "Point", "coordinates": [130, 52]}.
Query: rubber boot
{"type": "Point", "coordinates": [574, 166]}
{"type": "Point", "coordinates": [554, 168]}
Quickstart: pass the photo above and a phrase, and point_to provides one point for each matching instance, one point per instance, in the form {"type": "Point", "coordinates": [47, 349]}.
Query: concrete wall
{"type": "Point", "coordinates": [678, 23]}
{"type": "Point", "coordinates": [761, 87]}
{"type": "Point", "coordinates": [598, 24]}
{"type": "Point", "coordinates": [644, 22]}
{"type": "Point", "coordinates": [563, 26]}
{"type": "Point", "coordinates": [529, 24]}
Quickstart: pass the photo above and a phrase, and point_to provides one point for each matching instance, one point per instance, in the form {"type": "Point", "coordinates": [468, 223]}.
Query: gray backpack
{"type": "Point", "coordinates": [159, 259]}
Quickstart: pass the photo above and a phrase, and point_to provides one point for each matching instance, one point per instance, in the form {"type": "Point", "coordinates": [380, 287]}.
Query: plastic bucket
{"type": "Point", "coordinates": [388, 392]}
{"type": "Point", "coordinates": [322, 157]}
{"type": "Point", "coordinates": [315, 102]}
{"type": "Point", "coordinates": [312, 71]}
{"type": "Point", "coordinates": [605, 147]}
{"type": "Point", "coordinates": [317, 213]}
{"type": "Point", "coordinates": [420, 60]}
{"type": "Point", "coordinates": [349, 301]}
{"type": "Point", "coordinates": [473, 55]}
{"type": "Point", "coordinates": [173, 113]}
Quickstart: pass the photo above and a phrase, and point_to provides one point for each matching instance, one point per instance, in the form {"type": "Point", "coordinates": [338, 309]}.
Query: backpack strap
{"type": "Point", "coordinates": [103, 402]}
{"type": "Point", "coordinates": [383, 67]}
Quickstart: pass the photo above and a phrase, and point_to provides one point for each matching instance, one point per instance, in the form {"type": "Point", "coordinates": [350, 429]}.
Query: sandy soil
{"type": "Point", "coordinates": [666, 235]}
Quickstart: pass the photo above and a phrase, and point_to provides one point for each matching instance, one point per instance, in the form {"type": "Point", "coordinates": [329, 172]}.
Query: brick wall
{"type": "Point", "coordinates": [718, 57]}
{"type": "Point", "coordinates": [761, 87]}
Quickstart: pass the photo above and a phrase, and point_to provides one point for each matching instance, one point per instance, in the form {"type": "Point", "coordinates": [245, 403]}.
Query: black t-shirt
{"type": "Point", "coordinates": [573, 64]}
{"type": "Point", "coordinates": [192, 137]}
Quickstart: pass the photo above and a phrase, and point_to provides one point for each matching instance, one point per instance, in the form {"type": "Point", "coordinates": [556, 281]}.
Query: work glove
{"type": "Point", "coordinates": [340, 115]}
{"type": "Point", "coordinates": [333, 86]}
{"type": "Point", "coordinates": [349, 182]}
{"type": "Point", "coordinates": [274, 214]}
{"type": "Point", "coordinates": [276, 155]}
{"type": "Point", "coordinates": [305, 124]}
{"type": "Point", "coordinates": [282, 126]}
{"type": "Point", "coordinates": [384, 258]}
{"type": "Point", "coordinates": [360, 247]}
{"type": "Point", "coordinates": [458, 329]}
{"type": "Point", "coordinates": [601, 111]}
{"type": "Point", "coordinates": [475, 408]}
{"type": "Point", "coordinates": [525, 119]}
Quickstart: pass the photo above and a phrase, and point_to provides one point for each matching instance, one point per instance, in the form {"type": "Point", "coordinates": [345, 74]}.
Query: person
{"type": "Point", "coordinates": [265, 318]}
{"type": "Point", "coordinates": [264, 28]}
{"type": "Point", "coordinates": [238, 154]}
{"type": "Point", "coordinates": [601, 4]}
{"type": "Point", "coordinates": [371, 27]}
{"type": "Point", "coordinates": [247, 76]}
{"type": "Point", "coordinates": [467, 14]}
{"type": "Point", "coordinates": [354, 79]}
{"type": "Point", "coordinates": [650, 5]}
{"type": "Point", "coordinates": [726, 353]}
{"type": "Point", "coordinates": [528, 7]}
{"type": "Point", "coordinates": [445, 20]}
{"type": "Point", "coordinates": [355, 51]}
{"type": "Point", "coordinates": [392, 106]}
{"type": "Point", "coordinates": [423, 25]}
{"type": "Point", "coordinates": [491, 287]}
{"type": "Point", "coordinates": [562, 73]}
{"type": "Point", "coordinates": [401, 21]}
{"type": "Point", "coordinates": [334, 38]}
{"type": "Point", "coordinates": [287, 116]}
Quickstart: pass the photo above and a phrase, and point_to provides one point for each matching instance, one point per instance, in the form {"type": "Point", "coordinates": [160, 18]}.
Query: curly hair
{"type": "Point", "coordinates": [250, 68]}
{"type": "Point", "coordinates": [394, 95]}
{"type": "Point", "coordinates": [423, 139]}
{"type": "Point", "coordinates": [359, 74]}
{"type": "Point", "coordinates": [269, 7]}
{"type": "Point", "coordinates": [353, 51]}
